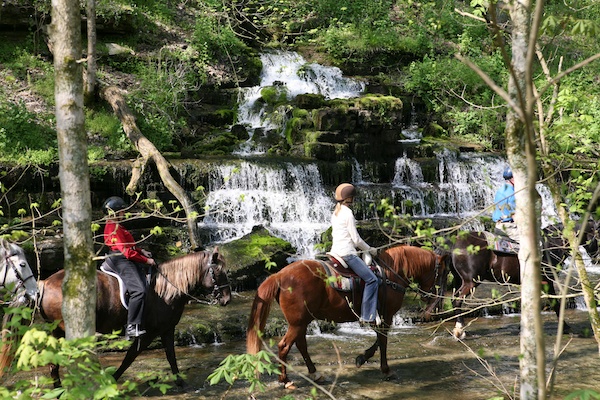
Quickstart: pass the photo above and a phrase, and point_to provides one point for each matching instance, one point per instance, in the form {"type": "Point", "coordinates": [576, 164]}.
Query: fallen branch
{"type": "Point", "coordinates": [148, 152]}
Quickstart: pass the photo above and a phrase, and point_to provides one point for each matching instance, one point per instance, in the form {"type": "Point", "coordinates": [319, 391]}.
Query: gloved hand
{"type": "Point", "coordinates": [373, 251]}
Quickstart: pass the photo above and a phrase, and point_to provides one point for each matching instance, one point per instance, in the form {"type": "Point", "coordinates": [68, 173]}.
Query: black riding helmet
{"type": "Point", "coordinates": [114, 204]}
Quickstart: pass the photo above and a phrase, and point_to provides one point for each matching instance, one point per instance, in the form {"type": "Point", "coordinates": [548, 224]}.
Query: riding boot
{"type": "Point", "coordinates": [133, 331]}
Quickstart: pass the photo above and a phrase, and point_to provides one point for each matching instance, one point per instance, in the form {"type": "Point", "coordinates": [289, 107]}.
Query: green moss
{"type": "Point", "coordinates": [274, 95]}
{"type": "Point", "coordinates": [380, 103]}
{"type": "Point", "coordinates": [259, 245]}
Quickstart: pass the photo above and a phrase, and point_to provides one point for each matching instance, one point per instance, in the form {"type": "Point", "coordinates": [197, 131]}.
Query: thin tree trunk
{"type": "Point", "coordinates": [149, 152]}
{"type": "Point", "coordinates": [521, 154]}
{"type": "Point", "coordinates": [90, 75]}
{"type": "Point", "coordinates": [79, 286]}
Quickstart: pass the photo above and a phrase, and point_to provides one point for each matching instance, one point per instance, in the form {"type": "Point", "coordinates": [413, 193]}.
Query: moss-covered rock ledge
{"type": "Point", "coordinates": [251, 258]}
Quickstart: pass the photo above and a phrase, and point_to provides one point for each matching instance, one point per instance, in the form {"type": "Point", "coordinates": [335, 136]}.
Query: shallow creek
{"type": "Point", "coordinates": [428, 362]}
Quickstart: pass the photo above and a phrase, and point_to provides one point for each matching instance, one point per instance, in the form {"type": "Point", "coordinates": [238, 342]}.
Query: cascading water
{"type": "Point", "coordinates": [288, 200]}
{"type": "Point", "coordinates": [290, 71]}
{"type": "Point", "coordinates": [466, 186]}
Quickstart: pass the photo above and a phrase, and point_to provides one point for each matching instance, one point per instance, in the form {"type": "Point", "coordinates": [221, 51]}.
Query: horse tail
{"type": "Point", "coordinates": [261, 306]}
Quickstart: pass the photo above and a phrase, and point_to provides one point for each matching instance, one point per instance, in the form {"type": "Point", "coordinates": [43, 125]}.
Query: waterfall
{"type": "Point", "coordinates": [465, 185]}
{"type": "Point", "coordinates": [289, 201]}
{"type": "Point", "coordinates": [290, 71]}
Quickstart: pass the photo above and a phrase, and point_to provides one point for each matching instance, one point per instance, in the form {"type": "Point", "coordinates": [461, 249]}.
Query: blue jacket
{"type": "Point", "coordinates": [505, 203]}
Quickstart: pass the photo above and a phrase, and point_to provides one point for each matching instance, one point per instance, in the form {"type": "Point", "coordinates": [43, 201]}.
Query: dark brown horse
{"type": "Point", "coordinates": [167, 295]}
{"type": "Point", "coordinates": [303, 295]}
{"type": "Point", "coordinates": [474, 260]}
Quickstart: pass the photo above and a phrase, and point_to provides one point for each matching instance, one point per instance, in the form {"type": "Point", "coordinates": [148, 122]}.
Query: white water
{"type": "Point", "coordinates": [465, 188]}
{"type": "Point", "coordinates": [289, 201]}
{"type": "Point", "coordinates": [292, 73]}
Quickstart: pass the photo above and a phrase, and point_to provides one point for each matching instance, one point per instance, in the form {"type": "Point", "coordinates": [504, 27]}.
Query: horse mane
{"type": "Point", "coordinates": [412, 261]}
{"type": "Point", "coordinates": [177, 276]}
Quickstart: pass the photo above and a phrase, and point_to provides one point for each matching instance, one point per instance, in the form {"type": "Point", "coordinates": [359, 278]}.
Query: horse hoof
{"type": "Point", "coordinates": [390, 376]}
{"type": "Point", "coordinates": [360, 360]}
{"type": "Point", "coordinates": [317, 377]}
{"type": "Point", "coordinates": [459, 334]}
{"type": "Point", "coordinates": [289, 385]}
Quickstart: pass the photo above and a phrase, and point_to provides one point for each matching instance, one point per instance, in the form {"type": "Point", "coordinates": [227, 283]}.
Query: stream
{"type": "Point", "coordinates": [428, 362]}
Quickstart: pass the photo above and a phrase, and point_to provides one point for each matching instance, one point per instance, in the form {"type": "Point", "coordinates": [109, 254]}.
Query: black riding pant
{"type": "Point", "coordinates": [135, 282]}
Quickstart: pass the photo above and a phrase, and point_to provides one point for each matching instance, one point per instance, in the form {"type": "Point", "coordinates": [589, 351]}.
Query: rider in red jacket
{"type": "Point", "coordinates": [127, 261]}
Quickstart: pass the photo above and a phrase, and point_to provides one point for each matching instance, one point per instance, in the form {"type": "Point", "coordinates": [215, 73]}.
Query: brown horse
{"type": "Point", "coordinates": [303, 295]}
{"type": "Point", "coordinates": [169, 291]}
{"type": "Point", "coordinates": [474, 260]}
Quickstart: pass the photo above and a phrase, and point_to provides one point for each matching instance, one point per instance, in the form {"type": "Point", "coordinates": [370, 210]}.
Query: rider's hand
{"type": "Point", "coordinates": [373, 251]}
{"type": "Point", "coordinates": [146, 253]}
{"type": "Point", "coordinates": [150, 261]}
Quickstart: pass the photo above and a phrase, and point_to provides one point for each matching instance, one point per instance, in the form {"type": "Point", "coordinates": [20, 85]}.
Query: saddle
{"type": "Point", "coordinates": [501, 243]}
{"type": "Point", "coordinates": [107, 268]}
{"type": "Point", "coordinates": [343, 279]}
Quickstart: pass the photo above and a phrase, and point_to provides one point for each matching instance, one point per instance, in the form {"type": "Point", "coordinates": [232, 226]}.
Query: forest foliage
{"type": "Point", "coordinates": [175, 50]}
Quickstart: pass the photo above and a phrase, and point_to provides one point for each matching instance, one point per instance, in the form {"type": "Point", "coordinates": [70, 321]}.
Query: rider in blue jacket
{"type": "Point", "coordinates": [505, 206]}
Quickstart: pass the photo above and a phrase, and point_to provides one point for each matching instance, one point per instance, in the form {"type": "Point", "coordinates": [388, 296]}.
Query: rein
{"type": "Point", "coordinates": [398, 287]}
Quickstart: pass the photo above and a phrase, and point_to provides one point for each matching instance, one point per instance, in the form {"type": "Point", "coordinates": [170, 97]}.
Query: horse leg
{"type": "Point", "coordinates": [382, 338]}
{"type": "Point", "coordinates": [168, 342]}
{"type": "Point", "coordinates": [139, 344]}
{"type": "Point", "coordinates": [363, 358]}
{"type": "Point", "coordinates": [312, 370]}
{"type": "Point", "coordinates": [459, 327]}
{"type": "Point", "coordinates": [285, 345]}
{"type": "Point", "coordinates": [556, 303]}
{"type": "Point", "coordinates": [55, 375]}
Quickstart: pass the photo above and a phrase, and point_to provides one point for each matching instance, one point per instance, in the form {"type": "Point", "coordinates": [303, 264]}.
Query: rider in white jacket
{"type": "Point", "coordinates": [345, 241]}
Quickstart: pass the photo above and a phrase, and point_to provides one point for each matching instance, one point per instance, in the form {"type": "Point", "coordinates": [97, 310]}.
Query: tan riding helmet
{"type": "Point", "coordinates": [344, 191]}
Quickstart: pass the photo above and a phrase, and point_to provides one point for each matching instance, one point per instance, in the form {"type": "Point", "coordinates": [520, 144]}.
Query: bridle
{"type": "Point", "coordinates": [20, 279]}
{"type": "Point", "coordinates": [217, 291]}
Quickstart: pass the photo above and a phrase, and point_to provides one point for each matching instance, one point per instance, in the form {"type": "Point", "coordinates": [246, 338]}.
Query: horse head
{"type": "Point", "coordinates": [590, 238]}
{"type": "Point", "coordinates": [216, 278]}
{"type": "Point", "coordinates": [15, 272]}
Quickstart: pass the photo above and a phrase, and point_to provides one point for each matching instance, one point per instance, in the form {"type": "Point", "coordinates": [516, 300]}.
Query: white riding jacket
{"type": "Point", "coordinates": [345, 236]}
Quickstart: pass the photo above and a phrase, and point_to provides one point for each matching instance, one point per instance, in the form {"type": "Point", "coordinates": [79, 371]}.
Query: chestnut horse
{"type": "Point", "coordinates": [475, 260]}
{"type": "Point", "coordinates": [304, 295]}
{"type": "Point", "coordinates": [169, 290]}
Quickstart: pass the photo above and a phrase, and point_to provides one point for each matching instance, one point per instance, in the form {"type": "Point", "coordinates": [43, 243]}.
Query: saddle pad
{"type": "Point", "coordinates": [105, 267]}
{"type": "Point", "coordinates": [501, 244]}
{"type": "Point", "coordinates": [337, 281]}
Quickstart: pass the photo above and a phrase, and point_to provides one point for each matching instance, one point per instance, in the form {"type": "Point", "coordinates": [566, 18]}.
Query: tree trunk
{"type": "Point", "coordinates": [90, 75]}
{"type": "Point", "coordinates": [149, 152]}
{"type": "Point", "coordinates": [79, 286]}
{"type": "Point", "coordinates": [521, 154]}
